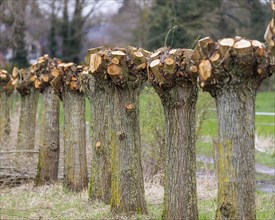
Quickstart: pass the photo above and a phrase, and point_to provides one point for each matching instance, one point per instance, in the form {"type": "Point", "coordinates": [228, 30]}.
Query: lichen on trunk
{"type": "Point", "coordinates": [174, 78]}
{"type": "Point", "coordinates": [49, 145]}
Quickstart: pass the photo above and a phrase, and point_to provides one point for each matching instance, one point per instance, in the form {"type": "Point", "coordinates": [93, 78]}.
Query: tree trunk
{"type": "Point", "coordinates": [27, 121]}
{"type": "Point", "coordinates": [236, 153]}
{"type": "Point", "coordinates": [180, 200]}
{"type": "Point", "coordinates": [75, 165]}
{"type": "Point", "coordinates": [47, 168]}
{"type": "Point", "coordinates": [127, 177]}
{"type": "Point", "coordinates": [120, 75]}
{"type": "Point", "coordinates": [174, 78]}
{"type": "Point", "coordinates": [4, 116]}
{"type": "Point", "coordinates": [101, 114]}
{"type": "Point", "coordinates": [231, 70]}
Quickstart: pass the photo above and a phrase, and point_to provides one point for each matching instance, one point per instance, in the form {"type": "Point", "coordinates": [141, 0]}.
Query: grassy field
{"type": "Point", "coordinates": [53, 202]}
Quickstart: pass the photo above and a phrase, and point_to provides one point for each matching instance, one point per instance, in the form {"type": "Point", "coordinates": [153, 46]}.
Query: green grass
{"type": "Point", "coordinates": [265, 159]}
{"type": "Point", "coordinates": [265, 102]}
{"type": "Point", "coordinates": [52, 202]}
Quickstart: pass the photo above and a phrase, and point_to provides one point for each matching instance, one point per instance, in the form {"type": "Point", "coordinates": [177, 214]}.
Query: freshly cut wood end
{"type": "Point", "coordinates": [256, 43]}
{"type": "Point", "coordinates": [45, 77]}
{"type": "Point", "coordinates": [37, 83]}
{"type": "Point", "coordinates": [237, 38]}
{"type": "Point", "coordinates": [98, 144]}
{"type": "Point", "coordinates": [113, 69]}
{"type": "Point", "coordinates": [260, 71]}
{"type": "Point", "coordinates": [67, 65]}
{"type": "Point", "coordinates": [130, 106]}
{"type": "Point", "coordinates": [33, 78]}
{"type": "Point", "coordinates": [193, 69]}
{"type": "Point", "coordinates": [14, 73]}
{"type": "Point", "coordinates": [73, 86]}
{"type": "Point", "coordinates": [95, 61]}
{"type": "Point", "coordinates": [3, 76]}
{"type": "Point", "coordinates": [272, 2]}
{"type": "Point", "coordinates": [60, 65]}
{"type": "Point", "coordinates": [205, 69]}
{"type": "Point", "coordinates": [94, 50]}
{"type": "Point", "coordinates": [115, 60]}
{"type": "Point", "coordinates": [14, 81]}
{"type": "Point", "coordinates": [74, 78]}
{"type": "Point", "coordinates": [4, 71]}
{"type": "Point", "coordinates": [215, 57]}
{"type": "Point", "coordinates": [118, 53]}
{"type": "Point", "coordinates": [141, 66]}
{"type": "Point", "coordinates": [169, 61]}
{"type": "Point", "coordinates": [55, 72]}
{"type": "Point", "coordinates": [172, 51]}
{"type": "Point", "coordinates": [229, 42]}
{"type": "Point", "coordinates": [155, 63]}
{"type": "Point", "coordinates": [242, 44]}
{"type": "Point", "coordinates": [155, 54]}
{"type": "Point", "coordinates": [138, 54]}
{"type": "Point", "coordinates": [145, 52]}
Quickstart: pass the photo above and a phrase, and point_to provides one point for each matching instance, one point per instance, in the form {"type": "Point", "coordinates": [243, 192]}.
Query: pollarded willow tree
{"type": "Point", "coordinates": [23, 80]}
{"type": "Point", "coordinates": [232, 70]}
{"type": "Point", "coordinates": [6, 89]}
{"type": "Point", "coordinates": [119, 74]}
{"type": "Point", "coordinates": [49, 145]}
{"type": "Point", "coordinates": [174, 77]}
{"type": "Point", "coordinates": [67, 85]}
{"type": "Point", "coordinates": [101, 114]}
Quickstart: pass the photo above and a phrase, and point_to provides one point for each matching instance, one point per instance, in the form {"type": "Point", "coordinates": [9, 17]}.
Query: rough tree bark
{"type": "Point", "coordinates": [49, 146]}
{"type": "Point", "coordinates": [75, 163]}
{"type": "Point", "coordinates": [101, 115]}
{"type": "Point", "coordinates": [29, 99]}
{"type": "Point", "coordinates": [231, 71]}
{"type": "Point", "coordinates": [121, 81]}
{"type": "Point", "coordinates": [6, 90]}
{"type": "Point", "coordinates": [174, 78]}
{"type": "Point", "coordinates": [27, 121]}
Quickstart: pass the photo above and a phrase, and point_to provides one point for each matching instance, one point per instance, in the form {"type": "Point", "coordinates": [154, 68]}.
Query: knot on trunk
{"type": "Point", "coordinates": [227, 210]}
{"type": "Point", "coordinates": [121, 136]}
{"type": "Point", "coordinates": [54, 146]}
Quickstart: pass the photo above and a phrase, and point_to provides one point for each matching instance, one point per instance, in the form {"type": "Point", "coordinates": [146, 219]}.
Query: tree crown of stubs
{"type": "Point", "coordinates": [5, 82]}
{"type": "Point", "coordinates": [168, 67]}
{"type": "Point", "coordinates": [119, 67]}
{"type": "Point", "coordinates": [228, 62]}
{"type": "Point", "coordinates": [231, 62]}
